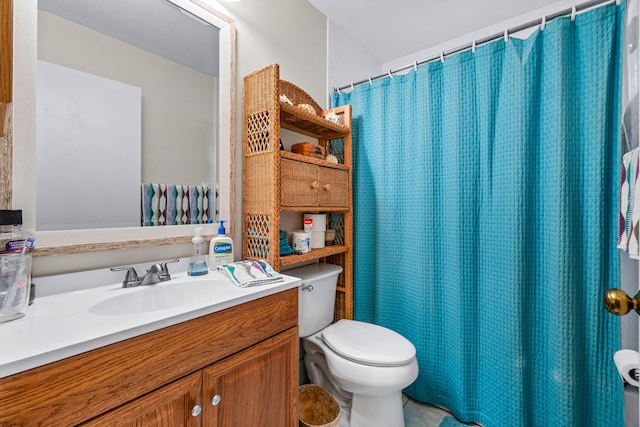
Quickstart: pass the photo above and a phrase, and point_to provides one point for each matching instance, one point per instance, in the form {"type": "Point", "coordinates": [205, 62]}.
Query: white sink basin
{"type": "Point", "coordinates": [162, 296]}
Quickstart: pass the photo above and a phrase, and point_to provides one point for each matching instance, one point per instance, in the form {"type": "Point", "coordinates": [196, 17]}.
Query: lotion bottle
{"type": "Point", "coordinates": [197, 263]}
{"type": "Point", "coordinates": [220, 248]}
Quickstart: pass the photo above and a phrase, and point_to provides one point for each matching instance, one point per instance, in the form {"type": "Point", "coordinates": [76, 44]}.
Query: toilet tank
{"type": "Point", "coordinates": [316, 296]}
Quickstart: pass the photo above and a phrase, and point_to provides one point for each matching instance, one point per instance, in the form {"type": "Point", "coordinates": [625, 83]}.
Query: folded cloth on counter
{"type": "Point", "coordinates": [251, 273]}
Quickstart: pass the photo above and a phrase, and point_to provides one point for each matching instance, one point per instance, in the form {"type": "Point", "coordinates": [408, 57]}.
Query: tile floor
{"type": "Point", "coordinates": [418, 414]}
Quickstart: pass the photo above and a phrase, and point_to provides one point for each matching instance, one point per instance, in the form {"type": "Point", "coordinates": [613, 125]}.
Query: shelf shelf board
{"type": "Point", "coordinates": [312, 209]}
{"type": "Point", "coordinates": [314, 254]}
{"type": "Point", "coordinates": [299, 120]}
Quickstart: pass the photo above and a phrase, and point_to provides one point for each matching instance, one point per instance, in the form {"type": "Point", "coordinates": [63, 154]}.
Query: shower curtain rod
{"type": "Point", "coordinates": [570, 11]}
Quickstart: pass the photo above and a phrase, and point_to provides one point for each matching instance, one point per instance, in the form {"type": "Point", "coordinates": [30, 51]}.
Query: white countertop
{"type": "Point", "coordinates": [66, 324]}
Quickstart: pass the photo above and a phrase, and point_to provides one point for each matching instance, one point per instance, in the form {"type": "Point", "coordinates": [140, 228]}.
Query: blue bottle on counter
{"type": "Point", "coordinates": [197, 263]}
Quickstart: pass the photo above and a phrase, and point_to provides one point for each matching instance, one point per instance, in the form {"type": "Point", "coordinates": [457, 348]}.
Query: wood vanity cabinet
{"type": "Point", "coordinates": [246, 389]}
{"type": "Point", "coordinates": [237, 367]}
{"type": "Point", "coordinates": [276, 181]}
{"type": "Point", "coordinates": [171, 405]}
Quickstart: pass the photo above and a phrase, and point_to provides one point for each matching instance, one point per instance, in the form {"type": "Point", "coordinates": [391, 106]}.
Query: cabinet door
{"type": "Point", "coordinates": [334, 188]}
{"type": "Point", "coordinates": [299, 184]}
{"type": "Point", "coordinates": [256, 387]}
{"type": "Point", "coordinates": [173, 405]}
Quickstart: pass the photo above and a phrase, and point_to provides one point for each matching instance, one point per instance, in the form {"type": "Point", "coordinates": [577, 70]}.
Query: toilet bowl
{"type": "Point", "coordinates": [364, 366]}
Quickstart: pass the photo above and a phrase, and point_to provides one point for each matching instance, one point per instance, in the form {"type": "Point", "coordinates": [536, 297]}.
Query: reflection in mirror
{"type": "Point", "coordinates": [127, 103]}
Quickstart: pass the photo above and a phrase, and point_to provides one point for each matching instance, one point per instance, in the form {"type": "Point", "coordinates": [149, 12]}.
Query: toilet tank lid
{"type": "Point", "coordinates": [368, 344]}
{"type": "Point", "coordinates": [314, 272]}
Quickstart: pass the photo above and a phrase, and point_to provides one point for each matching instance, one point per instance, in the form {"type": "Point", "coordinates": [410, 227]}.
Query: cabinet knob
{"type": "Point", "coordinates": [195, 411]}
{"type": "Point", "coordinates": [326, 187]}
{"type": "Point", "coordinates": [215, 400]}
{"type": "Point", "coordinates": [315, 184]}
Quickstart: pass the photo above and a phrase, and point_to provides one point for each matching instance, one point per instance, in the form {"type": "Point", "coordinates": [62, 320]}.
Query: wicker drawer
{"type": "Point", "coordinates": [308, 185]}
{"type": "Point", "coordinates": [334, 185]}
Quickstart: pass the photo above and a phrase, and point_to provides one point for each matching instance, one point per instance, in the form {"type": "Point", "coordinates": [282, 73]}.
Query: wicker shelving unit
{"type": "Point", "coordinates": [275, 181]}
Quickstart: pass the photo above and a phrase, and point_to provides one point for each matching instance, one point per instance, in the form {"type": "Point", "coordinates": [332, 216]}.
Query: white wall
{"type": "Point", "coordinates": [290, 33]}
{"type": "Point", "coordinates": [343, 49]}
{"type": "Point", "coordinates": [349, 61]}
{"type": "Point", "coordinates": [499, 27]}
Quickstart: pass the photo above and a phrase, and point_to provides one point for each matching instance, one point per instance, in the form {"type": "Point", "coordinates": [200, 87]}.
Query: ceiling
{"type": "Point", "coordinates": [390, 30]}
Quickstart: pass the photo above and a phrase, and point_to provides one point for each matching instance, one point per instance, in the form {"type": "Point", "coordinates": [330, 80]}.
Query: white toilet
{"type": "Point", "coordinates": [364, 366]}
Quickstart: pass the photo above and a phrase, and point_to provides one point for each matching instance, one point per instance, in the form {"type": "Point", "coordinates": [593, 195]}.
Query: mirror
{"type": "Point", "coordinates": [188, 140]}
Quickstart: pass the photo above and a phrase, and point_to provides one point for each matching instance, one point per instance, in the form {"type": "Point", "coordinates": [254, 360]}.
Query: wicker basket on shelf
{"type": "Point", "coordinates": [309, 149]}
{"type": "Point", "coordinates": [298, 96]}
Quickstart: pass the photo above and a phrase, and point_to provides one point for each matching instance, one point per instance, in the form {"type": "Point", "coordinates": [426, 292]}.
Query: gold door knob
{"type": "Point", "coordinates": [326, 187]}
{"type": "Point", "coordinates": [314, 184]}
{"type": "Point", "coordinates": [619, 303]}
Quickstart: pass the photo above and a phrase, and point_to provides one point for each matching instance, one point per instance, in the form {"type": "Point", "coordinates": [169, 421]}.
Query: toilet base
{"type": "Point", "coordinates": [356, 410]}
{"type": "Point", "coordinates": [377, 410]}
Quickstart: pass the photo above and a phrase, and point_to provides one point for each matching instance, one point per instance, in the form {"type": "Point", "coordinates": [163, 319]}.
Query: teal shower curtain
{"type": "Point", "coordinates": [485, 198]}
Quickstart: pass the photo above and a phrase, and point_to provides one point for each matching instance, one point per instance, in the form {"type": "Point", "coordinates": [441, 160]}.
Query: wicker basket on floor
{"type": "Point", "coordinates": [317, 407]}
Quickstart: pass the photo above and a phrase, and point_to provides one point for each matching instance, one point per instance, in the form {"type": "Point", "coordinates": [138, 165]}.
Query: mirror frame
{"type": "Point", "coordinates": [22, 193]}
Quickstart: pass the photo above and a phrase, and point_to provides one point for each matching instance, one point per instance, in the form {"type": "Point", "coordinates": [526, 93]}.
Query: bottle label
{"type": "Point", "coordinates": [222, 248]}
{"type": "Point", "coordinates": [17, 245]}
{"type": "Point", "coordinates": [301, 243]}
{"type": "Point", "coordinates": [308, 224]}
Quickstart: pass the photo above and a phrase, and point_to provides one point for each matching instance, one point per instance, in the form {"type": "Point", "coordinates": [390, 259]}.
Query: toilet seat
{"type": "Point", "coordinates": [368, 344]}
{"type": "Point", "coordinates": [360, 378]}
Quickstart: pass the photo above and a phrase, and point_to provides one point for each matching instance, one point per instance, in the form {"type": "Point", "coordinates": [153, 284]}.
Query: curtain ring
{"type": "Point", "coordinates": [352, 86]}
{"type": "Point", "coordinates": [415, 66]}
{"type": "Point", "coordinates": [442, 56]}
{"type": "Point", "coordinates": [617, 2]}
{"type": "Point", "coordinates": [370, 82]}
{"type": "Point", "coordinates": [573, 13]}
{"type": "Point", "coordinates": [390, 76]}
{"type": "Point", "coordinates": [473, 47]}
{"type": "Point", "coordinates": [506, 35]}
{"type": "Point", "coordinates": [543, 23]}
{"type": "Point", "coordinates": [338, 90]}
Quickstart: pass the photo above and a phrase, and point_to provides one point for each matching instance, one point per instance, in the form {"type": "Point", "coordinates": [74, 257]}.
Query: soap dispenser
{"type": "Point", "coordinates": [197, 263]}
{"type": "Point", "coordinates": [220, 248]}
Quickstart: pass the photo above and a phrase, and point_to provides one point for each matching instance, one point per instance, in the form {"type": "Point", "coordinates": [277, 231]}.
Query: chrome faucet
{"type": "Point", "coordinates": [164, 270]}
{"type": "Point", "coordinates": [157, 273]}
{"type": "Point", "coordinates": [131, 278]}
{"type": "Point", "coordinates": [152, 276]}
